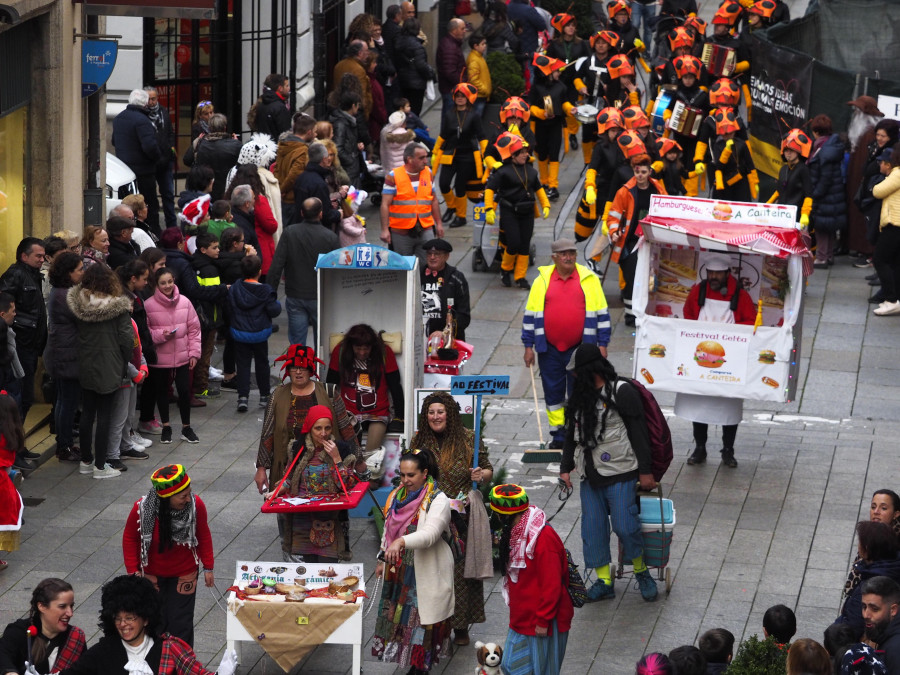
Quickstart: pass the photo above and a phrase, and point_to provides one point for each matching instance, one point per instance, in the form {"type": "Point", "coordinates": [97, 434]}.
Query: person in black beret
{"type": "Point", "coordinates": [444, 290]}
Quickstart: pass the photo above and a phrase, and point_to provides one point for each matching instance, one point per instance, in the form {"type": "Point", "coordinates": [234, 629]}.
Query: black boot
{"type": "Point", "coordinates": [728, 458]}
{"type": "Point", "coordinates": [699, 455]}
{"type": "Point", "coordinates": [506, 278]}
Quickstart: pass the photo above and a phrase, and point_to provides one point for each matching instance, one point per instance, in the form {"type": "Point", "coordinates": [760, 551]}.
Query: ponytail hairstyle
{"type": "Point", "coordinates": [44, 593]}
{"type": "Point", "coordinates": [424, 460]}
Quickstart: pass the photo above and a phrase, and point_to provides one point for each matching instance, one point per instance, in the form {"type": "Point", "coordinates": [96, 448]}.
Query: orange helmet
{"type": "Point", "coordinates": [547, 64]}
{"type": "Point", "coordinates": [609, 118]}
{"type": "Point", "coordinates": [618, 6]}
{"type": "Point", "coordinates": [631, 144]}
{"type": "Point", "coordinates": [560, 20]}
{"type": "Point", "coordinates": [695, 22]}
{"type": "Point", "coordinates": [508, 144]}
{"type": "Point", "coordinates": [724, 93]}
{"type": "Point", "coordinates": [467, 90]}
{"type": "Point", "coordinates": [726, 120]}
{"type": "Point", "coordinates": [618, 66]}
{"type": "Point", "coordinates": [634, 117]}
{"type": "Point", "coordinates": [763, 8]}
{"type": "Point", "coordinates": [680, 37]}
{"type": "Point", "coordinates": [797, 140]}
{"type": "Point", "coordinates": [727, 14]}
{"type": "Point", "coordinates": [515, 107]}
{"type": "Point", "coordinates": [607, 36]}
{"type": "Point", "coordinates": [687, 65]}
{"type": "Point", "coordinates": [666, 145]}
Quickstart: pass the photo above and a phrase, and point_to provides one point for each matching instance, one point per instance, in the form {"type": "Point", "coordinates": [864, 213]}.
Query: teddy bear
{"type": "Point", "coordinates": [489, 656]}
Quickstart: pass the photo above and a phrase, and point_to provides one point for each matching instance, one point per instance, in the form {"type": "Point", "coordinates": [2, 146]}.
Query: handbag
{"type": "Point", "coordinates": [576, 588]}
{"type": "Point", "coordinates": [525, 208]}
{"type": "Point", "coordinates": [456, 539]}
{"type": "Point", "coordinates": [430, 93]}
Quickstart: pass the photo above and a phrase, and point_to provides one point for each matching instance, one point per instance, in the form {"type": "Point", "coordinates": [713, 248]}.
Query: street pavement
{"type": "Point", "coordinates": [778, 529]}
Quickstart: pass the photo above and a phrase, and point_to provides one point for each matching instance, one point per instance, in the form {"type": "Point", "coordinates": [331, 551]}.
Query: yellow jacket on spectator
{"type": "Point", "coordinates": [479, 74]}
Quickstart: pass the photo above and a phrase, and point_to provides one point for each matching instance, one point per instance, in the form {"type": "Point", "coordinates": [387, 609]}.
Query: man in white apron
{"type": "Point", "coordinates": [716, 299]}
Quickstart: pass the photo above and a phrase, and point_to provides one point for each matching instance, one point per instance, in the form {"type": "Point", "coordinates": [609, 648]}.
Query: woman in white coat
{"type": "Point", "coordinates": [417, 598]}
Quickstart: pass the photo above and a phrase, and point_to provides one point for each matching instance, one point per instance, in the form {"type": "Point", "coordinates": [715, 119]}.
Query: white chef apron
{"type": "Point", "coordinates": [711, 409]}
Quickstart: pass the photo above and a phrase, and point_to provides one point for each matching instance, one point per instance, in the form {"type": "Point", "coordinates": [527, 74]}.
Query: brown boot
{"type": "Point", "coordinates": [460, 637]}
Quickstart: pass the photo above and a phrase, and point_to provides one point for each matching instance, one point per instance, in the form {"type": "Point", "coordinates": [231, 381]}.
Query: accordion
{"type": "Point", "coordinates": [719, 61]}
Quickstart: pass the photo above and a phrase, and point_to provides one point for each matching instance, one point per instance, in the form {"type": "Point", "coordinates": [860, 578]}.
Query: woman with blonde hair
{"type": "Point", "coordinates": [72, 239]}
{"type": "Point", "coordinates": [324, 130]}
{"type": "Point", "coordinates": [202, 113]}
{"type": "Point", "coordinates": [143, 235]}
{"type": "Point", "coordinates": [94, 245]}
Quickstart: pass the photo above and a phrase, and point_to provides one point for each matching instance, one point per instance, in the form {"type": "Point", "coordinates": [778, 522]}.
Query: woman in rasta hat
{"type": "Point", "coordinates": [535, 568]}
{"type": "Point", "coordinates": [166, 539]}
{"type": "Point", "coordinates": [323, 466]}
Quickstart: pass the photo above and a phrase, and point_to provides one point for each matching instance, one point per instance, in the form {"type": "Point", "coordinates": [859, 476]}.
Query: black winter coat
{"type": "Point", "coordinates": [390, 31]}
{"type": "Point", "coordinates": [272, 115]}
{"type": "Point", "coordinates": [411, 62]}
{"type": "Point", "coordinates": [500, 37]}
{"type": "Point", "coordinates": [186, 279]}
{"type": "Point", "coordinates": [890, 645]}
{"type": "Point", "coordinates": [346, 138]}
{"type": "Point", "coordinates": [451, 64]}
{"type": "Point", "coordinates": [207, 269]}
{"type": "Point", "coordinates": [218, 151]}
{"type": "Point", "coordinates": [311, 183]}
{"type": "Point", "coordinates": [24, 283]}
{"type": "Point", "coordinates": [794, 185]}
{"type": "Point", "coordinates": [829, 199]}
{"type": "Point", "coordinates": [139, 314]}
{"type": "Point", "coordinates": [120, 252]}
{"type": "Point", "coordinates": [134, 138]}
{"type": "Point", "coordinates": [229, 265]}
{"type": "Point", "coordinates": [61, 355]}
{"type": "Point", "coordinates": [245, 222]}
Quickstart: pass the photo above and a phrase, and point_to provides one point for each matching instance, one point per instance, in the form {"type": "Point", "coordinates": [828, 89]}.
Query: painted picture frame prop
{"type": "Point", "coordinates": [288, 629]}
{"type": "Point", "coordinates": [769, 260]}
{"type": "Point", "coordinates": [479, 385]}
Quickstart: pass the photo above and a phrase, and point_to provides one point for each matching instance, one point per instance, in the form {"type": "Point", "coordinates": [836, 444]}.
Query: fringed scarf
{"type": "Point", "coordinates": [403, 510]}
{"type": "Point", "coordinates": [522, 541]}
{"type": "Point", "coordinates": [184, 524]}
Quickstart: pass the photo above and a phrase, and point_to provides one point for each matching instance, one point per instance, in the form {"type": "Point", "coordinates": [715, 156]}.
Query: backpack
{"type": "Point", "coordinates": [661, 452]}
{"type": "Point", "coordinates": [577, 589]}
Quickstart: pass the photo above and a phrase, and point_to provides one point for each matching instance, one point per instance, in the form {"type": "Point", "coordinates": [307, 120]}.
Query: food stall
{"type": "Point", "coordinates": [768, 258]}
{"type": "Point", "coordinates": [289, 608]}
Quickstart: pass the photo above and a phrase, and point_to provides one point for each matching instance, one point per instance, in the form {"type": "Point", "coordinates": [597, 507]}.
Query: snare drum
{"type": "Point", "coordinates": [685, 120]}
{"type": "Point", "coordinates": [586, 113]}
{"type": "Point", "coordinates": [657, 118]}
{"type": "Point", "coordinates": [719, 61]}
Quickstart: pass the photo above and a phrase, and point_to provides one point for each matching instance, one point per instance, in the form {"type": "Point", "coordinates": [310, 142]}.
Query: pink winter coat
{"type": "Point", "coordinates": [165, 314]}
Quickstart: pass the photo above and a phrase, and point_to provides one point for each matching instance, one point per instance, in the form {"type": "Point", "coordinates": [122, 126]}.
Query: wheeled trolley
{"type": "Point", "coordinates": [657, 517]}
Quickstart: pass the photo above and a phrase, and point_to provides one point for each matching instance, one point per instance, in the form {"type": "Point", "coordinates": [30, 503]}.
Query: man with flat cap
{"type": "Point", "coordinates": [444, 290]}
{"type": "Point", "coordinates": [566, 307]}
{"type": "Point", "coordinates": [717, 298]}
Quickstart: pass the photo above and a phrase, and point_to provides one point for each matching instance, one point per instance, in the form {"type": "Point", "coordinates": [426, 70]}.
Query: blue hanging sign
{"type": "Point", "coordinates": [98, 58]}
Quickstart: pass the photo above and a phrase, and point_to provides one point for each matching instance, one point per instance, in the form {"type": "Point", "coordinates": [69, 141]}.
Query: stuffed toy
{"type": "Point", "coordinates": [489, 656]}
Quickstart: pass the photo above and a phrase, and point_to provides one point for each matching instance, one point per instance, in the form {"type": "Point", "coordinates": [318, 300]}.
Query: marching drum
{"type": "Point", "coordinates": [657, 118]}
{"type": "Point", "coordinates": [719, 61]}
{"type": "Point", "coordinates": [586, 113]}
{"type": "Point", "coordinates": [685, 120]}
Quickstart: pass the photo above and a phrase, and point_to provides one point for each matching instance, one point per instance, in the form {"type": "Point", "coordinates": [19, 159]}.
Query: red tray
{"type": "Point", "coordinates": [324, 503]}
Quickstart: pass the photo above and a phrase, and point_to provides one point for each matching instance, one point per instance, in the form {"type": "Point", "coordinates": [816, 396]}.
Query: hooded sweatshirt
{"type": "Point", "coordinates": [251, 307]}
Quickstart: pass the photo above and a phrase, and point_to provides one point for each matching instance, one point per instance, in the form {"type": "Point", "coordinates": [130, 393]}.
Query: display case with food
{"type": "Point", "coordinates": [766, 257]}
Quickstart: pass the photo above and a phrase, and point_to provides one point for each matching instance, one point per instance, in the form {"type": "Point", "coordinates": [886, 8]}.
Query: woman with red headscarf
{"type": "Point", "coordinates": [317, 465]}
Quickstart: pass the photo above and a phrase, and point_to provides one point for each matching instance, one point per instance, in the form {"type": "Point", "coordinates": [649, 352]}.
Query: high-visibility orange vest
{"type": "Point", "coordinates": [409, 205]}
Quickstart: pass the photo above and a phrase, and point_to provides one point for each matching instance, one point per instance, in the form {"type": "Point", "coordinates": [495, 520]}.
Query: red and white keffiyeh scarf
{"type": "Point", "coordinates": [522, 541]}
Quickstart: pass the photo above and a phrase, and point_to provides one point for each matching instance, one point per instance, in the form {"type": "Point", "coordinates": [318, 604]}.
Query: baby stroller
{"type": "Point", "coordinates": [373, 181]}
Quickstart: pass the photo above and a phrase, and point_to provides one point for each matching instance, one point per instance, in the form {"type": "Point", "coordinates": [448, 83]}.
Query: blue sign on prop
{"type": "Point", "coordinates": [493, 385]}
{"type": "Point", "coordinates": [98, 58]}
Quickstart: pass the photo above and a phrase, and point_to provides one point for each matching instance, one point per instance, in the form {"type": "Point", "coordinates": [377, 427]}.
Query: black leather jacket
{"type": "Point", "coordinates": [24, 284]}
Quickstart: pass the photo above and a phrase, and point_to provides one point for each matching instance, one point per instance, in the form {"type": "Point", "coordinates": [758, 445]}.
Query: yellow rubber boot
{"type": "Point", "coordinates": [572, 127]}
{"type": "Point", "coordinates": [450, 200]}
{"type": "Point", "coordinates": [587, 149]}
{"type": "Point", "coordinates": [462, 206]}
{"type": "Point", "coordinates": [691, 185]}
{"type": "Point", "coordinates": [554, 175]}
{"type": "Point", "coordinates": [521, 267]}
{"type": "Point", "coordinates": [543, 171]}
{"type": "Point", "coordinates": [506, 266]}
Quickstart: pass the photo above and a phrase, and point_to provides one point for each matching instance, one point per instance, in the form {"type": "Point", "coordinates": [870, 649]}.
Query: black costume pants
{"type": "Point", "coordinates": [729, 433]}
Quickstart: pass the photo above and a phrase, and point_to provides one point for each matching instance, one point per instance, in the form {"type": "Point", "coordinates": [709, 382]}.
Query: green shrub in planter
{"type": "Point", "coordinates": [759, 657]}
{"type": "Point", "coordinates": [506, 76]}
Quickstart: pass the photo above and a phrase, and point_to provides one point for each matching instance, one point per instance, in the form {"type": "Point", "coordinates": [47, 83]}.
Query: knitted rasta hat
{"type": "Point", "coordinates": [299, 356]}
{"type": "Point", "coordinates": [170, 480]}
{"type": "Point", "coordinates": [509, 499]}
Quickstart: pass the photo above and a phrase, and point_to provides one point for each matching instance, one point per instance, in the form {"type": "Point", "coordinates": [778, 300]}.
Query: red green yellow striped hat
{"type": "Point", "coordinates": [170, 480]}
{"type": "Point", "coordinates": [509, 499]}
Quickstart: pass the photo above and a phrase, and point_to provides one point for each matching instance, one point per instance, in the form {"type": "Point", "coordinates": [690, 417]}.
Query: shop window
{"type": "Point", "coordinates": [13, 147]}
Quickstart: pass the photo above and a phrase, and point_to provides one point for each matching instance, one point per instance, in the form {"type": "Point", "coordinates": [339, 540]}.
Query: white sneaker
{"type": "Point", "coordinates": [86, 468]}
{"type": "Point", "coordinates": [138, 440]}
{"type": "Point", "coordinates": [216, 375]}
{"type": "Point", "coordinates": [888, 308]}
{"type": "Point", "coordinates": [106, 472]}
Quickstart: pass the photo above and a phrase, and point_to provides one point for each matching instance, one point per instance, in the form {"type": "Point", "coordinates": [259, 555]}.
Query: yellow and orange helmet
{"type": "Point", "coordinates": [609, 118]}
{"type": "Point", "coordinates": [727, 14]}
{"type": "Point", "coordinates": [617, 6]}
{"type": "Point", "coordinates": [514, 107]}
{"type": "Point", "coordinates": [695, 23]}
{"type": "Point", "coordinates": [631, 144]}
{"type": "Point", "coordinates": [467, 90]}
{"type": "Point", "coordinates": [560, 20]}
{"type": "Point", "coordinates": [634, 117]}
{"type": "Point", "coordinates": [547, 64]}
{"type": "Point", "coordinates": [666, 145]}
{"type": "Point", "coordinates": [508, 144]}
{"type": "Point", "coordinates": [680, 37]}
{"type": "Point", "coordinates": [724, 93]}
{"type": "Point", "coordinates": [763, 8]}
{"type": "Point", "coordinates": [618, 66]}
{"type": "Point", "coordinates": [687, 65]}
{"type": "Point", "coordinates": [607, 36]}
{"type": "Point", "coordinates": [797, 140]}
{"type": "Point", "coordinates": [726, 120]}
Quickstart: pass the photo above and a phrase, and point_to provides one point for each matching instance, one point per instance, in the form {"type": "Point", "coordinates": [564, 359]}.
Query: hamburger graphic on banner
{"type": "Point", "coordinates": [718, 355]}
